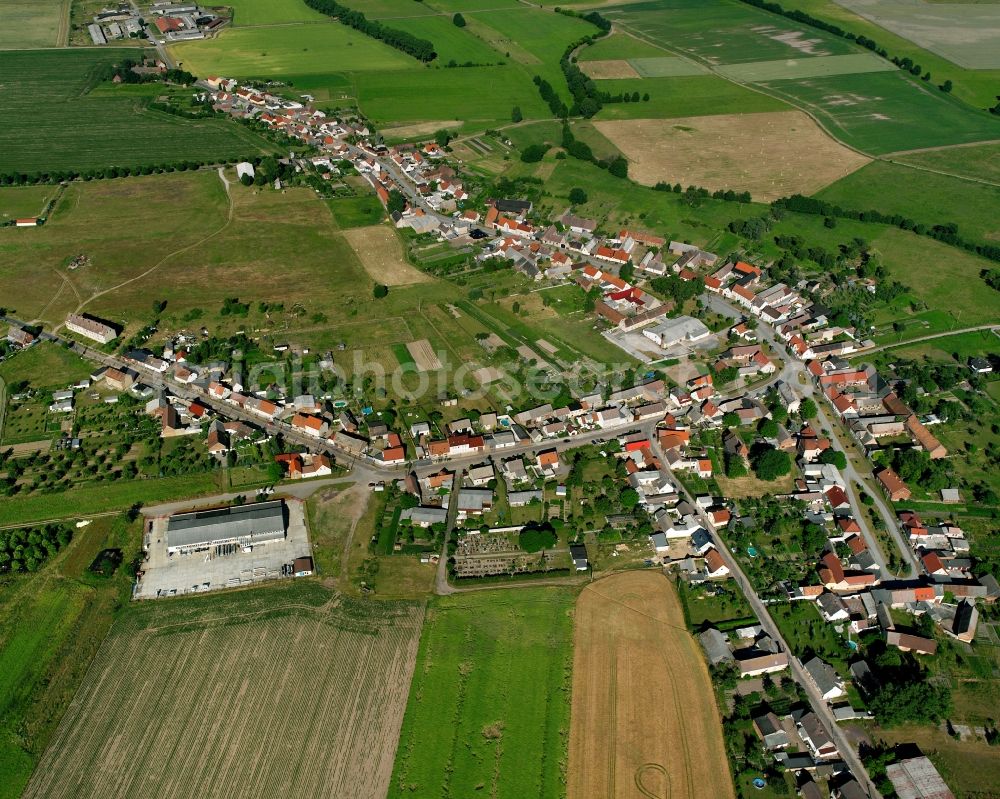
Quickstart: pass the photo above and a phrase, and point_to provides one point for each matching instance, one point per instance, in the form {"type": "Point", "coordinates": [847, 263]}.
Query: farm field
{"type": "Point", "coordinates": [450, 42]}
{"type": "Point", "coordinates": [629, 630]}
{"type": "Point", "coordinates": [285, 653]}
{"type": "Point", "coordinates": [620, 46]}
{"type": "Point", "coordinates": [698, 95]}
{"type": "Point", "coordinates": [51, 624]}
{"type": "Point", "coordinates": [977, 161]}
{"type": "Point", "coordinates": [488, 709]}
{"type": "Point", "coordinates": [723, 31]}
{"type": "Point", "coordinates": [967, 34]}
{"type": "Point", "coordinates": [53, 124]}
{"type": "Point", "coordinates": [975, 87]}
{"type": "Point", "coordinates": [33, 23]}
{"type": "Point", "coordinates": [792, 69]}
{"type": "Point", "coordinates": [922, 196]}
{"type": "Point", "coordinates": [269, 12]}
{"type": "Point", "coordinates": [288, 52]}
{"type": "Point", "coordinates": [381, 254]}
{"type": "Point", "coordinates": [769, 155]}
{"type": "Point", "coordinates": [884, 112]}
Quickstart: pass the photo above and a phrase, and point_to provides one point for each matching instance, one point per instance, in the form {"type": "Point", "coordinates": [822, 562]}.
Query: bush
{"type": "Point", "coordinates": [459, 21]}
{"type": "Point", "coordinates": [380, 291]}
{"type": "Point", "coordinates": [533, 153]}
{"type": "Point", "coordinates": [577, 196]}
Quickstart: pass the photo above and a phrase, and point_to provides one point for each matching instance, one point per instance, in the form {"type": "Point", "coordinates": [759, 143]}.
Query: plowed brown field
{"type": "Point", "coordinates": [644, 718]}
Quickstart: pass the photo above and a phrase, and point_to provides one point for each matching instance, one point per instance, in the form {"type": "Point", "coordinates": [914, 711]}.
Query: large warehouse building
{"type": "Point", "coordinates": [244, 525]}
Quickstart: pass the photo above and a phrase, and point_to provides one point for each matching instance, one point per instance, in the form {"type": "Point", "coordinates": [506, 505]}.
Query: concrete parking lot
{"type": "Point", "coordinates": [173, 575]}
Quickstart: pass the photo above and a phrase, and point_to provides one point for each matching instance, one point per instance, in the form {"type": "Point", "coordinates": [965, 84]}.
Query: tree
{"type": "Point", "coordinates": [808, 409]}
{"type": "Point", "coordinates": [730, 419]}
{"type": "Point", "coordinates": [629, 498]}
{"type": "Point", "coordinates": [537, 536]}
{"type": "Point", "coordinates": [618, 167]}
{"type": "Point", "coordinates": [442, 137]}
{"type": "Point", "coordinates": [770, 464]}
{"type": "Point", "coordinates": [834, 456]}
{"type": "Point", "coordinates": [946, 87]}
{"type": "Point", "coordinates": [768, 428]}
{"type": "Point", "coordinates": [396, 202]}
{"type": "Point", "coordinates": [533, 153]}
{"type": "Point", "coordinates": [577, 196]}
{"type": "Point", "coordinates": [459, 21]}
{"type": "Point", "coordinates": [380, 291]}
{"type": "Point", "coordinates": [515, 114]}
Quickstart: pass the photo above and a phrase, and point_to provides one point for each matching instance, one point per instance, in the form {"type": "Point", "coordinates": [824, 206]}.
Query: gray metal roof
{"type": "Point", "coordinates": [262, 521]}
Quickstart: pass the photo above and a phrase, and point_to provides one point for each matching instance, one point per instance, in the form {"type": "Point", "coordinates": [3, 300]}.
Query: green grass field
{"type": "Point", "coordinates": [45, 366]}
{"type": "Point", "coordinates": [51, 624]}
{"type": "Point", "coordinates": [682, 97]}
{"type": "Point", "coordinates": [289, 51]}
{"type": "Point", "coordinates": [450, 42]}
{"type": "Point", "coordinates": [363, 211]}
{"type": "Point", "coordinates": [884, 112]}
{"type": "Point", "coordinates": [976, 87]}
{"type": "Point", "coordinates": [51, 123]}
{"type": "Point", "coordinates": [18, 201]}
{"type": "Point", "coordinates": [620, 46]}
{"type": "Point", "coordinates": [33, 23]}
{"type": "Point", "coordinates": [270, 12]}
{"type": "Point", "coordinates": [489, 704]}
{"type": "Point", "coordinates": [922, 196]}
{"type": "Point", "coordinates": [978, 161]}
{"type": "Point", "coordinates": [666, 67]}
{"type": "Point", "coordinates": [793, 69]}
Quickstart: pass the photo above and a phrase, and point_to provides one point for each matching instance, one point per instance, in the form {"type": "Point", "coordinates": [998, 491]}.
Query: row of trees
{"type": "Point", "coordinates": [617, 166]}
{"type": "Point", "coordinates": [421, 49]}
{"type": "Point", "coordinates": [26, 550]}
{"type": "Point", "coordinates": [59, 176]}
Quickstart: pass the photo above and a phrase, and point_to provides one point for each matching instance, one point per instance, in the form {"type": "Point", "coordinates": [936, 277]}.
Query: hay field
{"type": "Point", "coordinates": [381, 254]}
{"type": "Point", "coordinates": [644, 719]}
{"type": "Point", "coordinates": [770, 155]}
{"type": "Point", "coordinates": [667, 67]}
{"type": "Point", "coordinates": [796, 68]}
{"type": "Point", "coordinates": [286, 692]}
{"type": "Point", "coordinates": [423, 356]}
{"type": "Point", "coordinates": [604, 70]}
{"type": "Point", "coordinates": [33, 23]}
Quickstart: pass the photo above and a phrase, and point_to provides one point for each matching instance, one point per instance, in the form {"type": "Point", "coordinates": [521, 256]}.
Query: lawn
{"type": "Point", "coordinates": [489, 704]}
{"type": "Point", "coordinates": [45, 366]}
{"type": "Point", "coordinates": [922, 196]}
{"type": "Point", "coordinates": [33, 23]}
{"type": "Point", "coordinates": [53, 124]}
{"type": "Point", "coordinates": [884, 112]}
{"type": "Point", "coordinates": [287, 52]}
{"type": "Point", "coordinates": [352, 212]}
{"type": "Point", "coordinates": [18, 201]}
{"type": "Point", "coordinates": [807, 634]}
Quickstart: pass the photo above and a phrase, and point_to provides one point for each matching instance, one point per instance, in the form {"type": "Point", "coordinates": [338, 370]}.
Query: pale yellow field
{"type": "Point", "coordinates": [381, 254]}
{"type": "Point", "coordinates": [420, 129]}
{"type": "Point", "coordinates": [770, 155]}
{"type": "Point", "coordinates": [423, 355]}
{"type": "Point", "coordinates": [644, 720]}
{"type": "Point", "coordinates": [602, 70]}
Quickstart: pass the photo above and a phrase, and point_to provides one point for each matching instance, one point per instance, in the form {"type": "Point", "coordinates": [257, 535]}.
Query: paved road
{"type": "Point", "coordinates": [819, 706]}
{"type": "Point", "coordinates": [793, 370]}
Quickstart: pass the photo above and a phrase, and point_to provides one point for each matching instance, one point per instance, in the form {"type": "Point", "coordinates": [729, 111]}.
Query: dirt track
{"type": "Point", "coordinates": [644, 718]}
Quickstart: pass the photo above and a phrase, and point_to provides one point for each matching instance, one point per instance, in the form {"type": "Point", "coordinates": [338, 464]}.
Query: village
{"type": "Point", "coordinates": [626, 475]}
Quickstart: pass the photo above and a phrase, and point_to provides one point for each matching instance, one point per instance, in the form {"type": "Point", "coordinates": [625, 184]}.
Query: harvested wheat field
{"type": "Point", "coordinates": [381, 254]}
{"type": "Point", "coordinates": [423, 355]}
{"type": "Point", "coordinates": [770, 155]}
{"type": "Point", "coordinates": [644, 720]}
{"type": "Point", "coordinates": [603, 70]}
{"type": "Point", "coordinates": [289, 691]}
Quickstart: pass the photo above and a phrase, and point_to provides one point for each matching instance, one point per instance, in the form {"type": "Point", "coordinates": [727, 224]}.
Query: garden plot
{"type": "Point", "coordinates": [424, 356]}
{"type": "Point", "coordinates": [967, 34]}
{"type": "Point", "coordinates": [770, 155]}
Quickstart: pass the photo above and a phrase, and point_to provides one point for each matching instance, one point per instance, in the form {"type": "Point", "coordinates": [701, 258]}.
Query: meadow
{"type": "Point", "coordinates": [488, 709]}
{"type": "Point", "coordinates": [270, 12]}
{"type": "Point", "coordinates": [51, 625]}
{"type": "Point", "coordinates": [24, 201]}
{"type": "Point", "coordinates": [33, 23]}
{"type": "Point", "coordinates": [285, 653]}
{"type": "Point", "coordinates": [792, 69]}
{"type": "Point", "coordinates": [630, 643]}
{"type": "Point", "coordinates": [698, 95]}
{"type": "Point", "coordinates": [52, 123]}
{"type": "Point", "coordinates": [922, 196]}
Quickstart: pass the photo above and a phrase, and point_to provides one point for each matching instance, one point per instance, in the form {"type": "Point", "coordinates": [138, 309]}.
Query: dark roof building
{"type": "Point", "coordinates": [244, 525]}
